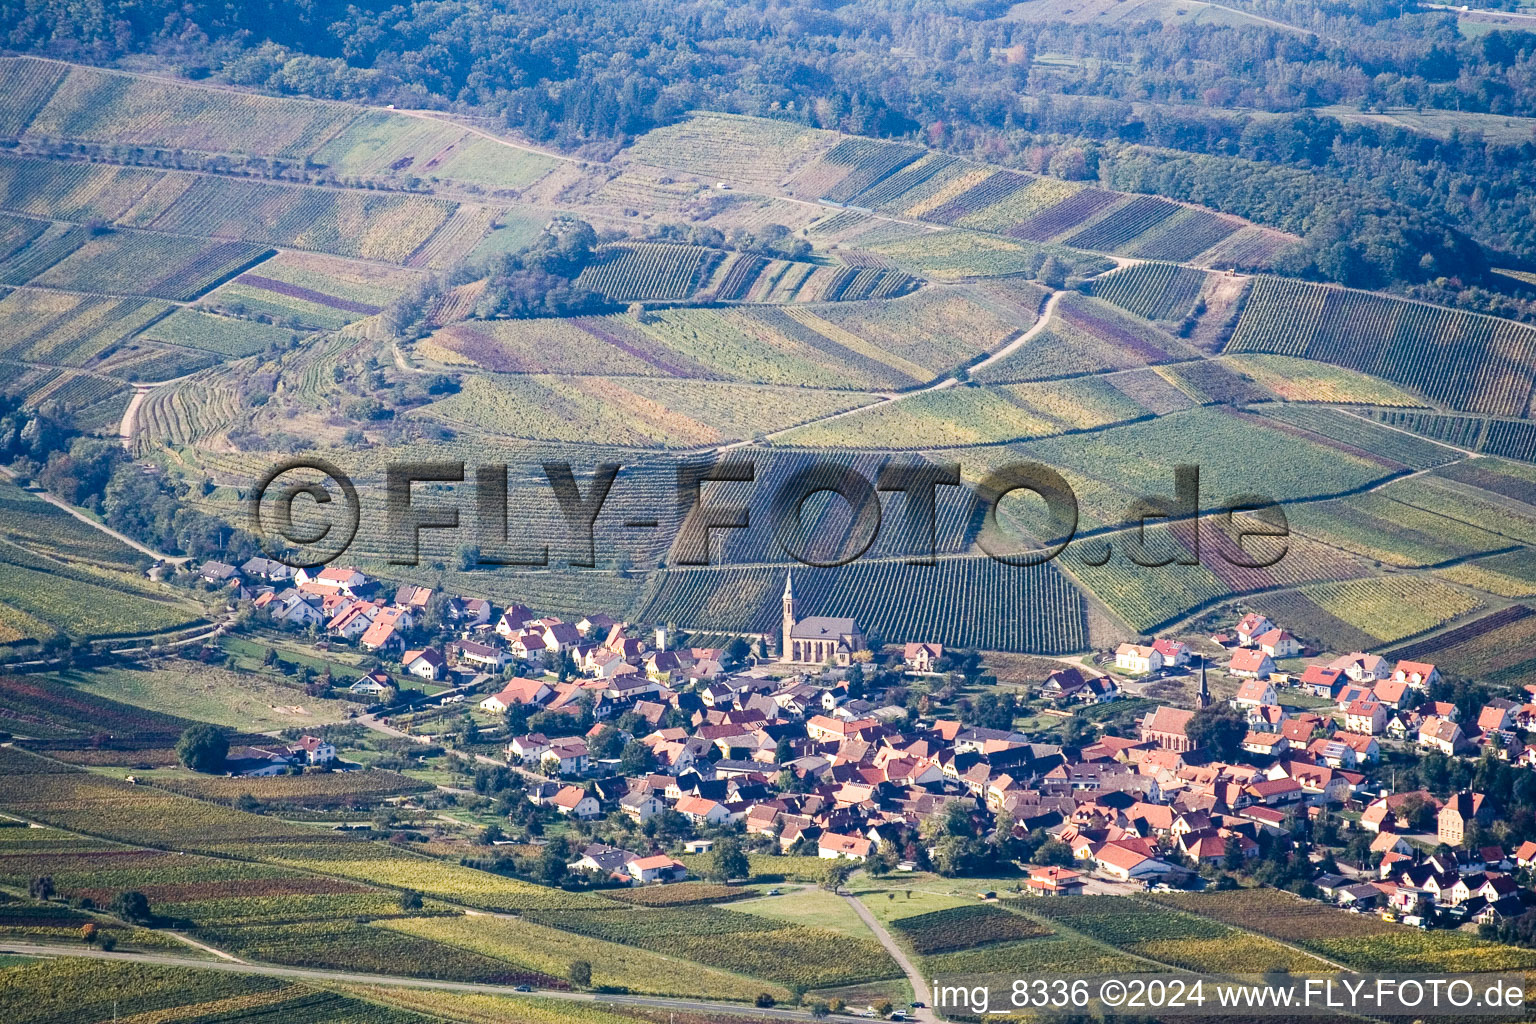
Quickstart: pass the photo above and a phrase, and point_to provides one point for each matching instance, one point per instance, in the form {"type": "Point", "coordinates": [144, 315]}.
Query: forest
{"type": "Point", "coordinates": [1223, 115]}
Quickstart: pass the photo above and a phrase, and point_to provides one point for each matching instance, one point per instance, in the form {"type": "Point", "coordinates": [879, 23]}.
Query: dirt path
{"type": "Point", "coordinates": [1046, 312]}
{"type": "Point", "coordinates": [914, 976]}
{"type": "Point", "coordinates": [87, 520]}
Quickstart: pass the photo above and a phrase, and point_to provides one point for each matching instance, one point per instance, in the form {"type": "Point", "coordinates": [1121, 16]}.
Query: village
{"type": "Point", "coordinates": [813, 743]}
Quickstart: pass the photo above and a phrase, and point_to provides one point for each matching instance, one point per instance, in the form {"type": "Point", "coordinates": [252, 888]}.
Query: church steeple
{"type": "Point", "coordinates": [1203, 696]}
{"type": "Point", "coordinates": [791, 616]}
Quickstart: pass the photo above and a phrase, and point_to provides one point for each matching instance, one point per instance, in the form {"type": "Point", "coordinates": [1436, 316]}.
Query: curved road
{"type": "Point", "coordinates": [919, 983]}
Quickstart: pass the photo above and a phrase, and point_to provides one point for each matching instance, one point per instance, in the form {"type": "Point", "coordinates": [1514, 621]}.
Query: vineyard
{"type": "Point", "coordinates": [1364, 436]}
{"type": "Point", "coordinates": [373, 225]}
{"type": "Point", "coordinates": [39, 708]}
{"type": "Point", "coordinates": [1153, 291]}
{"type": "Point", "coordinates": [328, 789]}
{"type": "Point", "coordinates": [868, 162]}
{"type": "Point", "coordinates": [1302, 380]}
{"type": "Point", "coordinates": [183, 413]}
{"type": "Point", "coordinates": [1495, 647]}
{"type": "Point", "coordinates": [1123, 224]}
{"type": "Point", "coordinates": [68, 798]}
{"type": "Point", "coordinates": [649, 270]}
{"type": "Point", "coordinates": [1185, 235]}
{"type": "Point", "coordinates": [1393, 532]}
{"type": "Point", "coordinates": [319, 291]}
{"type": "Point", "coordinates": [753, 150]}
{"type": "Point", "coordinates": [83, 602]}
{"type": "Point", "coordinates": [962, 602]}
{"type": "Point", "coordinates": [954, 255]}
{"type": "Point", "coordinates": [549, 951]}
{"type": "Point", "coordinates": [1174, 938]}
{"type": "Point", "coordinates": [222, 335]}
{"type": "Point", "coordinates": [1362, 942]}
{"type": "Point", "coordinates": [636, 412]}
{"type": "Point", "coordinates": [1465, 360]}
{"type": "Point", "coordinates": [1085, 336]}
{"type": "Point", "coordinates": [1394, 607]}
{"type": "Point", "coordinates": [69, 330]}
{"type": "Point", "coordinates": [71, 191]}
{"type": "Point", "coordinates": [160, 266]}
{"type": "Point", "coordinates": [944, 931]}
{"type": "Point", "coordinates": [954, 417]}
{"type": "Point", "coordinates": [760, 947]}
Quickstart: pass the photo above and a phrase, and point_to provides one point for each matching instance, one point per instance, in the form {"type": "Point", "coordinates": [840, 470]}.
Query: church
{"type": "Point", "coordinates": [815, 640]}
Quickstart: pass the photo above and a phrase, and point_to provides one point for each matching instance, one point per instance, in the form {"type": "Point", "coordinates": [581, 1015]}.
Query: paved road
{"type": "Point", "coordinates": [342, 977]}
{"type": "Point", "coordinates": [919, 983]}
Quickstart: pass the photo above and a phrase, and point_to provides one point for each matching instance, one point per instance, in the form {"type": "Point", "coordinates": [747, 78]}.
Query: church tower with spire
{"type": "Point", "coordinates": [1203, 695]}
{"type": "Point", "coordinates": [791, 616]}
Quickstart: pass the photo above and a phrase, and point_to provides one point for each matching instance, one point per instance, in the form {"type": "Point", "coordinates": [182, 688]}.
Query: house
{"type": "Point", "coordinates": [1168, 728]}
{"type": "Point", "coordinates": [1254, 692]}
{"type": "Point", "coordinates": [517, 691]}
{"type": "Point", "coordinates": [1525, 854]}
{"type": "Point", "coordinates": [1123, 863]}
{"type": "Point", "coordinates": [641, 805]}
{"type": "Point", "coordinates": [1459, 812]}
{"type": "Point", "coordinates": [568, 754]}
{"type": "Point", "coordinates": [427, 663]}
{"type": "Point", "coordinates": [255, 762]}
{"type": "Point", "coordinates": [1077, 685]}
{"type": "Point", "coordinates": [1321, 681]}
{"type": "Point", "coordinates": [920, 657]}
{"type": "Point", "coordinates": [1251, 627]}
{"type": "Point", "coordinates": [1389, 692]}
{"type": "Point", "coordinates": [1175, 653]}
{"type": "Point", "coordinates": [472, 652]}
{"type": "Point", "coordinates": [1277, 643]}
{"type": "Point", "coordinates": [353, 620]}
{"type": "Point", "coordinates": [576, 802]}
{"type": "Point", "coordinates": [656, 868]}
{"type": "Point", "coordinates": [833, 846]}
{"type": "Point", "coordinates": [1418, 674]}
{"type": "Point", "coordinates": [267, 569]}
{"type": "Point", "coordinates": [468, 612]}
{"type": "Point", "coordinates": [1496, 716]}
{"type": "Point", "coordinates": [290, 608]}
{"type": "Point", "coordinates": [1442, 735]}
{"type": "Point", "coordinates": [384, 632]}
{"type": "Point", "coordinates": [1266, 744]}
{"type": "Point", "coordinates": [373, 684]}
{"type": "Point", "coordinates": [596, 625]}
{"type": "Point", "coordinates": [701, 810]}
{"type": "Point", "coordinates": [1055, 881]}
{"type": "Point", "coordinates": [1361, 667]}
{"type": "Point", "coordinates": [313, 750]}
{"type": "Point", "coordinates": [334, 578]}
{"type": "Point", "coordinates": [413, 598]}
{"type": "Point", "coordinates": [1368, 717]}
{"type": "Point", "coordinates": [218, 573]}
{"type": "Point", "coordinates": [1251, 664]}
{"type": "Point", "coordinates": [1139, 659]}
{"type": "Point", "coordinates": [1367, 750]}
{"type": "Point", "coordinates": [530, 747]}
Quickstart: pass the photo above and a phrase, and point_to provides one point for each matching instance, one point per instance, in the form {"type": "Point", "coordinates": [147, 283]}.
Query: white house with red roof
{"type": "Point", "coordinates": [528, 692]}
{"type": "Point", "coordinates": [1420, 675]}
{"type": "Point", "coordinates": [1277, 643]}
{"type": "Point", "coordinates": [920, 657]}
{"type": "Point", "coordinates": [343, 578]}
{"type": "Point", "coordinates": [576, 803]}
{"type": "Point", "coordinates": [1361, 667]}
{"type": "Point", "coordinates": [1251, 663]}
{"type": "Point", "coordinates": [1251, 627]}
{"type": "Point", "coordinates": [1254, 692]}
{"type": "Point", "coordinates": [656, 868]}
{"type": "Point", "coordinates": [425, 663]}
{"type": "Point", "coordinates": [834, 846]}
{"type": "Point", "coordinates": [1365, 716]}
{"type": "Point", "coordinates": [1174, 652]}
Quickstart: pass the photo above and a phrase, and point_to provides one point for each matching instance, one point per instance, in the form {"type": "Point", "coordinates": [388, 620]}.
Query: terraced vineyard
{"type": "Point", "coordinates": [1466, 361]}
